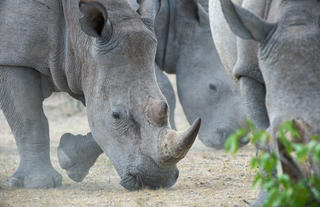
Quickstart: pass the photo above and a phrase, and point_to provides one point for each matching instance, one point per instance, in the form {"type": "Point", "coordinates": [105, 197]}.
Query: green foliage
{"type": "Point", "coordinates": [283, 191]}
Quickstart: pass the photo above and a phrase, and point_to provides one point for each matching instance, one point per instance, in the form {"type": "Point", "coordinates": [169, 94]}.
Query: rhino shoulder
{"type": "Point", "coordinates": [247, 50]}
{"type": "Point", "coordinates": [238, 56]}
{"type": "Point", "coordinates": [25, 28]}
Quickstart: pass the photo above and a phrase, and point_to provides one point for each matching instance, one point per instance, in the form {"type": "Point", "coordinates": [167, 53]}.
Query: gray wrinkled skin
{"type": "Point", "coordinates": [185, 48]}
{"type": "Point", "coordinates": [168, 91]}
{"type": "Point", "coordinates": [102, 54]}
{"type": "Point", "coordinates": [285, 62]}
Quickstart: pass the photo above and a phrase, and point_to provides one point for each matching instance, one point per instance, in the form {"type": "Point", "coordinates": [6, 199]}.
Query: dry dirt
{"type": "Point", "coordinates": [208, 177]}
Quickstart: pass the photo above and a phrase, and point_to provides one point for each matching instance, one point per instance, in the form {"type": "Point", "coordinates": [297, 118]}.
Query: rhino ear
{"type": "Point", "coordinates": [202, 14]}
{"type": "Point", "coordinates": [95, 21]}
{"type": "Point", "coordinates": [245, 24]}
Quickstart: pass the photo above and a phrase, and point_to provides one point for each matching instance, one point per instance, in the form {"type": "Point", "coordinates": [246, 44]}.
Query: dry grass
{"type": "Point", "coordinates": [207, 177]}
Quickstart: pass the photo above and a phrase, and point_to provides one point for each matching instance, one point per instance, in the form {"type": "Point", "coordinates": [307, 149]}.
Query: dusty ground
{"type": "Point", "coordinates": [207, 177]}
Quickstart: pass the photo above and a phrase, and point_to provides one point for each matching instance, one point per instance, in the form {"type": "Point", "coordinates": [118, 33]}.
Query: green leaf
{"type": "Point", "coordinates": [254, 162]}
{"type": "Point", "coordinates": [316, 193]}
{"type": "Point", "coordinates": [231, 144]}
{"type": "Point", "coordinates": [250, 125]}
{"type": "Point", "coordinates": [286, 143]}
{"type": "Point", "coordinates": [282, 190]}
{"type": "Point", "coordinates": [258, 180]}
{"type": "Point", "coordinates": [315, 138]}
{"type": "Point", "coordinates": [301, 152]}
{"type": "Point", "coordinates": [268, 185]}
{"type": "Point", "coordinates": [261, 137]}
{"type": "Point", "coordinates": [273, 193]}
{"type": "Point", "coordinates": [284, 179]}
{"type": "Point", "coordinates": [289, 126]}
{"type": "Point", "coordinates": [268, 162]}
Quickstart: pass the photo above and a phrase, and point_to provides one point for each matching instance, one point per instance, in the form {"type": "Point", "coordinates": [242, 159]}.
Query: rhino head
{"type": "Point", "coordinates": [127, 113]}
{"type": "Point", "coordinates": [204, 88]}
{"type": "Point", "coordinates": [289, 51]}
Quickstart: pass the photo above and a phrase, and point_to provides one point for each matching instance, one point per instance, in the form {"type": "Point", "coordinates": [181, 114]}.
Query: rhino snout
{"type": "Point", "coordinates": [216, 138]}
{"type": "Point", "coordinates": [150, 176]}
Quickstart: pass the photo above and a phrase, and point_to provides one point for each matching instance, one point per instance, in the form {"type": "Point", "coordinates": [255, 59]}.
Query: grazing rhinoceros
{"type": "Point", "coordinates": [204, 88]}
{"type": "Point", "coordinates": [276, 61]}
{"type": "Point", "coordinates": [106, 59]}
{"type": "Point", "coordinates": [185, 48]}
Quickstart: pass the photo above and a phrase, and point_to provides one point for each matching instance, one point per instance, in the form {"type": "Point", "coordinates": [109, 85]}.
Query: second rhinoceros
{"type": "Point", "coordinates": [277, 63]}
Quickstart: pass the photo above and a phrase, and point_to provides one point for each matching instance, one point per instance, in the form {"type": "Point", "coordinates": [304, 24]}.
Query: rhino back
{"type": "Point", "coordinates": [27, 32]}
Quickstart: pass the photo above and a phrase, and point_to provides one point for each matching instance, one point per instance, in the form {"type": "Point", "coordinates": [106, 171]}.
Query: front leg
{"type": "Point", "coordinates": [253, 94]}
{"type": "Point", "coordinates": [77, 154]}
{"type": "Point", "coordinates": [21, 101]}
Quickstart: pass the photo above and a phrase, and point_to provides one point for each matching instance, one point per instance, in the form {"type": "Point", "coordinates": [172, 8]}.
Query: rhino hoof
{"type": "Point", "coordinates": [77, 177]}
{"type": "Point", "coordinates": [70, 158]}
{"type": "Point", "coordinates": [49, 178]}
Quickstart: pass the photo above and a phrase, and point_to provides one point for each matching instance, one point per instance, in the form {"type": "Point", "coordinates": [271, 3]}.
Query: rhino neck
{"type": "Point", "coordinates": [162, 30]}
{"type": "Point", "coordinates": [176, 25]}
{"type": "Point", "coordinates": [74, 51]}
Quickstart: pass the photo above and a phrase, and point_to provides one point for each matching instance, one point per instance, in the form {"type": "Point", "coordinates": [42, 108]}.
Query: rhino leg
{"type": "Point", "coordinates": [253, 93]}
{"type": "Point", "coordinates": [262, 198]}
{"type": "Point", "coordinates": [77, 154]}
{"type": "Point", "coordinates": [167, 90]}
{"type": "Point", "coordinates": [21, 102]}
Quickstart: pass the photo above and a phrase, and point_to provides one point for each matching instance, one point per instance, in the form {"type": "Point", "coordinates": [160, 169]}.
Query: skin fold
{"type": "Point", "coordinates": [283, 63]}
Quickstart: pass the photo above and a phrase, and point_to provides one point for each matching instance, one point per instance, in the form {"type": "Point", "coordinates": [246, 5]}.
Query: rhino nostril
{"type": "Point", "coordinates": [163, 107]}
{"type": "Point", "coordinates": [116, 115]}
{"type": "Point", "coordinates": [222, 132]}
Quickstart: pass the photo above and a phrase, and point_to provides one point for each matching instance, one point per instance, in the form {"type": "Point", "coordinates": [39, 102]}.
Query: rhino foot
{"type": "Point", "coordinates": [77, 154]}
{"type": "Point", "coordinates": [46, 177]}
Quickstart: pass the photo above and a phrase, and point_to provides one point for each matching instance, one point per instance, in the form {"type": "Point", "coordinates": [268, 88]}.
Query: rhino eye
{"type": "Point", "coordinates": [213, 87]}
{"type": "Point", "coordinates": [116, 115]}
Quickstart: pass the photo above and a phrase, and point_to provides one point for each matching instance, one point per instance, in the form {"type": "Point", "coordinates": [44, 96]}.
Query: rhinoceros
{"type": "Point", "coordinates": [276, 61]}
{"type": "Point", "coordinates": [185, 48]}
{"type": "Point", "coordinates": [102, 53]}
{"type": "Point", "coordinates": [203, 86]}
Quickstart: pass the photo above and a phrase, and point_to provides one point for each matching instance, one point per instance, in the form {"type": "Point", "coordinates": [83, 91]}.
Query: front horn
{"type": "Point", "coordinates": [175, 145]}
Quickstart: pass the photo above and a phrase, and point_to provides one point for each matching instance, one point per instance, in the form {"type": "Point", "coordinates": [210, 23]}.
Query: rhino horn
{"type": "Point", "coordinates": [175, 145]}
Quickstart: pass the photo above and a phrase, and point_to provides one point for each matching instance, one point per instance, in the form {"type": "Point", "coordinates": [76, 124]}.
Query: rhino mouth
{"type": "Point", "coordinates": [150, 176]}
{"type": "Point", "coordinates": [132, 182]}
{"type": "Point", "coordinates": [136, 181]}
